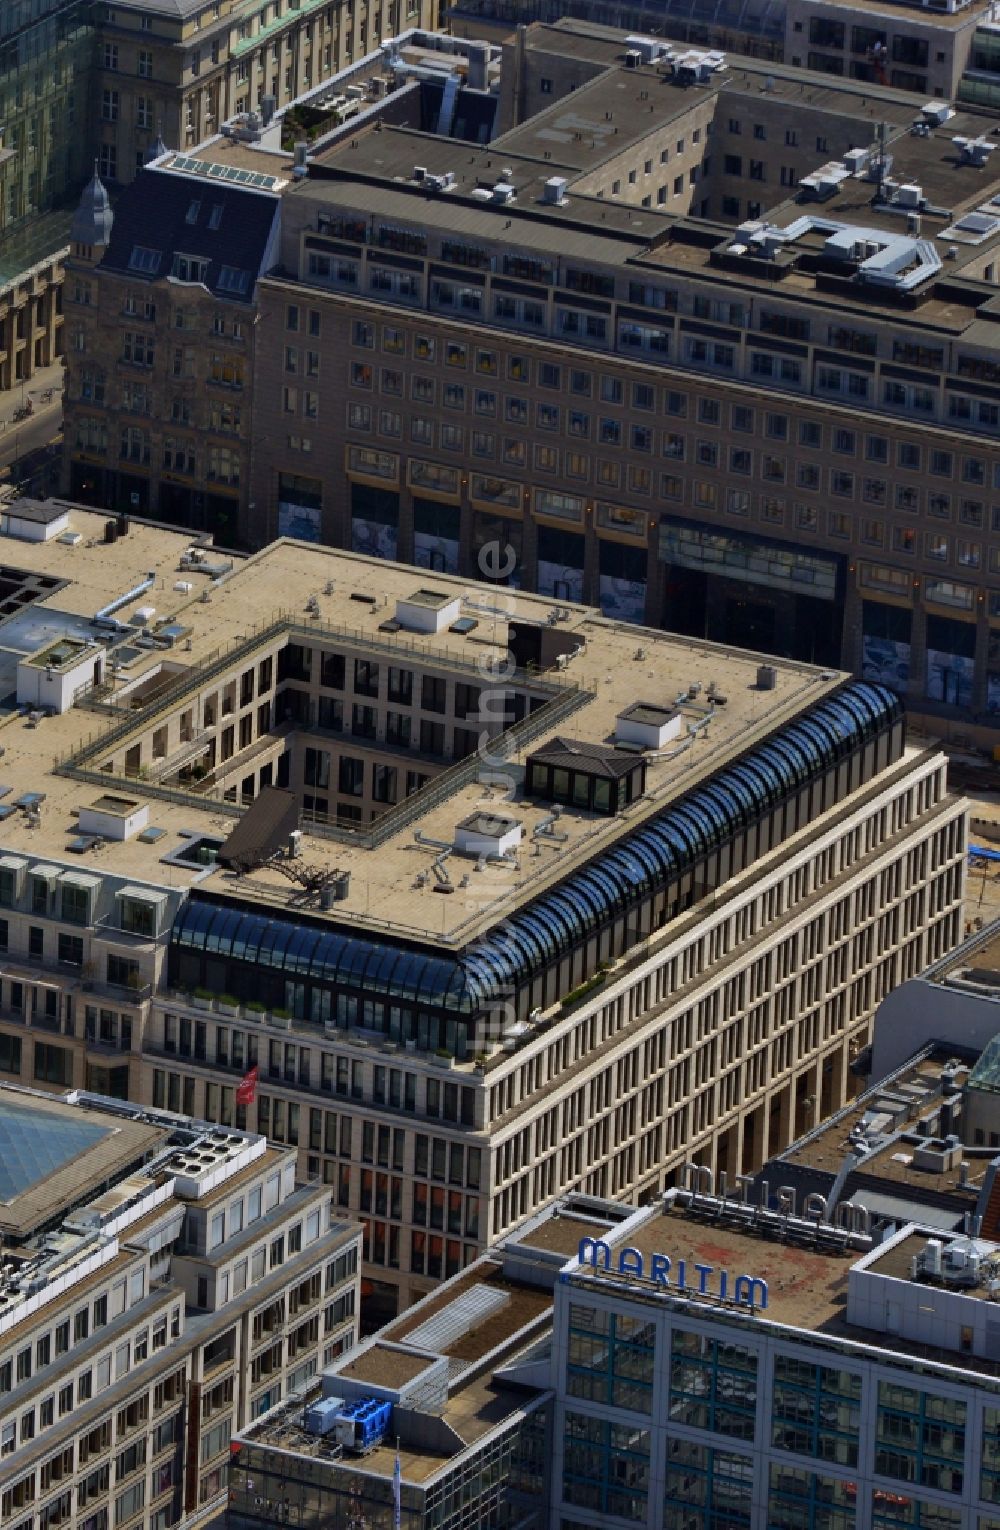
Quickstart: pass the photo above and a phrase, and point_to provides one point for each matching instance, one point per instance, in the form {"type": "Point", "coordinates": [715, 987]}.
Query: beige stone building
{"type": "Point", "coordinates": [501, 897]}
{"type": "Point", "coordinates": [31, 321]}
{"type": "Point", "coordinates": [164, 1282]}
{"type": "Point", "coordinates": [176, 70]}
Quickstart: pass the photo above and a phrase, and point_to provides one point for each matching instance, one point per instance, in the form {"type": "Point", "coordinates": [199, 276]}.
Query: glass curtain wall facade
{"type": "Point", "coordinates": [759, 1428]}
{"type": "Point", "coordinates": [46, 114]}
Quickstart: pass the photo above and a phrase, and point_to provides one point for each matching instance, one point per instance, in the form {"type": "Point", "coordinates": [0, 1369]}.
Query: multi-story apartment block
{"type": "Point", "coordinates": [160, 348]}
{"type": "Point", "coordinates": [163, 1282]}
{"type": "Point", "coordinates": [161, 317]}
{"type": "Point", "coordinates": [502, 898]}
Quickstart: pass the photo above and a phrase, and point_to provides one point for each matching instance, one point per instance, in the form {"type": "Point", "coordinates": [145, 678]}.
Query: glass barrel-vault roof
{"type": "Point", "coordinates": [499, 963]}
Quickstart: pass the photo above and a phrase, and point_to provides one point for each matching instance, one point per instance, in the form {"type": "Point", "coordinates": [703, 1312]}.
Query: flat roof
{"type": "Point", "coordinates": [386, 892]}
{"type": "Point", "coordinates": [477, 1401]}
{"type": "Point", "coordinates": [561, 1234]}
{"type": "Point", "coordinates": [52, 1154]}
{"type": "Point", "coordinates": [807, 1287]}
{"type": "Point", "coordinates": [383, 1365]}
{"type": "Point", "coordinates": [826, 1147]}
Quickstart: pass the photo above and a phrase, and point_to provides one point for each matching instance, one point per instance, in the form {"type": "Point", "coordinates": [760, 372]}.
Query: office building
{"type": "Point", "coordinates": [669, 405]}
{"type": "Point", "coordinates": [504, 901]}
{"type": "Point", "coordinates": [679, 417]}
{"type": "Point", "coordinates": [710, 1360]}
{"type": "Point", "coordinates": [947, 50]}
{"type": "Point", "coordinates": [815, 1377]}
{"type": "Point", "coordinates": [163, 1281]}
{"type": "Point", "coordinates": [457, 1390]}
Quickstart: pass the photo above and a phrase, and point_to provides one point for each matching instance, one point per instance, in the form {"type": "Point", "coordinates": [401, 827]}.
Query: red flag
{"type": "Point", "coordinates": [246, 1090]}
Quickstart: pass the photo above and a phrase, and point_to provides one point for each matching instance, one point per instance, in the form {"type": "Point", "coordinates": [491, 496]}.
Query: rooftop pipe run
{"type": "Point", "coordinates": [104, 617]}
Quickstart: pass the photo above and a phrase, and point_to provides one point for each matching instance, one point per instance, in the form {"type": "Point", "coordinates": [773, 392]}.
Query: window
{"type": "Point", "coordinates": [70, 949]}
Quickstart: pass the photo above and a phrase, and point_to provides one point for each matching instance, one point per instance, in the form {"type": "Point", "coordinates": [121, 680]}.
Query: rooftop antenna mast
{"type": "Point", "coordinates": [881, 160]}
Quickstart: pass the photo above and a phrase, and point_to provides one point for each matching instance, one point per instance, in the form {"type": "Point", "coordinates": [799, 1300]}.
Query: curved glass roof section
{"type": "Point", "coordinates": [492, 968]}
{"type": "Point", "coordinates": [986, 1073]}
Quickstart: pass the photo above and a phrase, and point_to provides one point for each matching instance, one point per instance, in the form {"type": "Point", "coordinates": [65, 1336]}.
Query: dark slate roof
{"type": "Point", "coordinates": [152, 214]}
{"type": "Point", "coordinates": [595, 759]}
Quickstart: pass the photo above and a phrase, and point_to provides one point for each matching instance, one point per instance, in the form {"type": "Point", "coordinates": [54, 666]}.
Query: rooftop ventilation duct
{"type": "Point", "coordinates": [974, 151]}
{"type": "Point", "coordinates": [649, 49]}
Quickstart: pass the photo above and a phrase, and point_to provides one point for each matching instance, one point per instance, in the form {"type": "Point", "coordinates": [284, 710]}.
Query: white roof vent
{"type": "Point", "coordinates": [648, 724]}
{"type": "Point", "coordinates": [648, 48]}
{"type": "Point", "coordinates": [554, 191]}
{"type": "Point", "coordinates": [486, 833]}
{"type": "Point", "coordinates": [428, 610]}
{"type": "Point", "coordinates": [503, 192]}
{"type": "Point", "coordinates": [937, 112]}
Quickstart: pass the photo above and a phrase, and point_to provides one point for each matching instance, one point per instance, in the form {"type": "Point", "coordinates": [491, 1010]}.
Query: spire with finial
{"type": "Point", "coordinates": [93, 217]}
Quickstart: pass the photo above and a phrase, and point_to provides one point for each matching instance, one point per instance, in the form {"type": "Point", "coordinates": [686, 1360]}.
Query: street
{"type": "Point", "coordinates": [30, 449]}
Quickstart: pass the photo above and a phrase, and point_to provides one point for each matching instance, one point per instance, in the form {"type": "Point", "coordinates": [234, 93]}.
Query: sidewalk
{"type": "Point", "coordinates": [43, 379]}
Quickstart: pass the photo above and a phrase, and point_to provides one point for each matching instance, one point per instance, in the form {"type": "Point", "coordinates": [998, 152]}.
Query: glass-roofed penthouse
{"type": "Point", "coordinates": [324, 972]}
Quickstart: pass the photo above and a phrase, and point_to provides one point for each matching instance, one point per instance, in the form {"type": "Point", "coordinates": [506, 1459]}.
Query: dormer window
{"type": "Point", "coordinates": [145, 260]}
{"type": "Point", "coordinates": [232, 279]}
{"type": "Point", "coordinates": [190, 268]}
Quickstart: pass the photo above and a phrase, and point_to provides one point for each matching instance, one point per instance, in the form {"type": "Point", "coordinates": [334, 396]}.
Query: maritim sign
{"type": "Point", "coordinates": [680, 1277]}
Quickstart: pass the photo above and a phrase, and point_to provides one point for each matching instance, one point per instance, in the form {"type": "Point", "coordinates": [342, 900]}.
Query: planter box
{"type": "Point", "coordinates": [282, 1022]}
{"type": "Point", "coordinates": [260, 1015]}
{"type": "Point", "coordinates": [229, 1009]}
{"type": "Point", "coordinates": [442, 1062]}
{"type": "Point", "coordinates": [201, 1003]}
